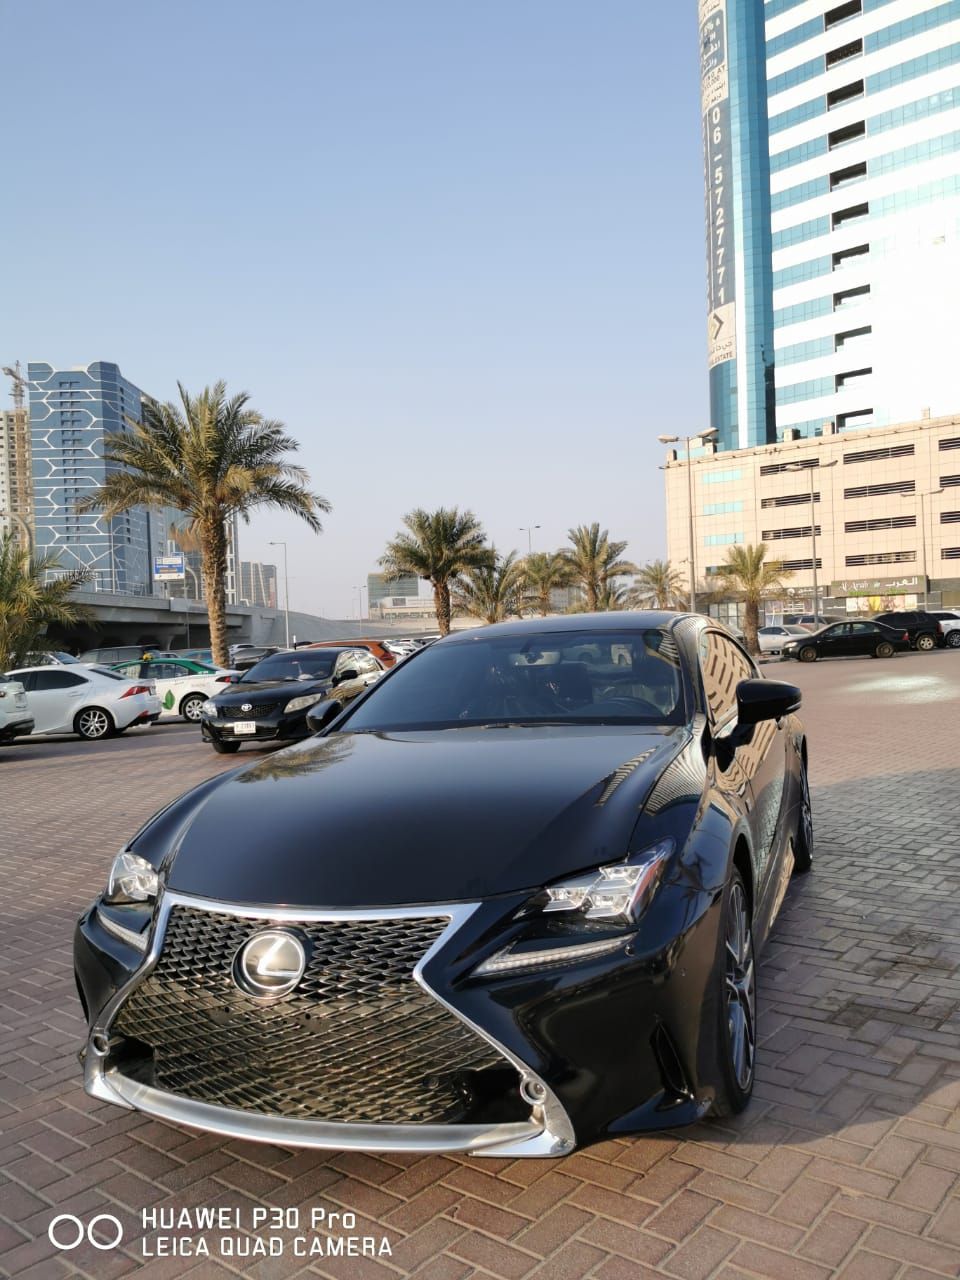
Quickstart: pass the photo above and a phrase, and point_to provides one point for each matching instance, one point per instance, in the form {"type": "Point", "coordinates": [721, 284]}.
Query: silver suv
{"type": "Point", "coordinates": [949, 620]}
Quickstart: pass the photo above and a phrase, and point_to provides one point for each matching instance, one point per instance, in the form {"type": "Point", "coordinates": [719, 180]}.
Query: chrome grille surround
{"type": "Point", "coordinates": [547, 1132]}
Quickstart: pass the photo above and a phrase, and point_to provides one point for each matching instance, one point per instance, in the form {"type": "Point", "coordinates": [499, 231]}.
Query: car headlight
{"type": "Point", "coordinates": [307, 700]}
{"type": "Point", "coordinates": [209, 708]}
{"type": "Point", "coordinates": [616, 895]}
{"type": "Point", "coordinates": [131, 879]}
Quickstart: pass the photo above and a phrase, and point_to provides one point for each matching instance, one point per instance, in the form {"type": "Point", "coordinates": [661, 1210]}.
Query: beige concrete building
{"type": "Point", "coordinates": [16, 471]}
{"type": "Point", "coordinates": [887, 514]}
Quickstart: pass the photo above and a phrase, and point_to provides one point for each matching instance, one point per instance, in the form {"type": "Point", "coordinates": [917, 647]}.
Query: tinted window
{"type": "Point", "coordinates": [723, 665]}
{"type": "Point", "coordinates": [130, 669]}
{"type": "Point", "coordinates": [56, 678]}
{"type": "Point", "coordinates": [862, 628]}
{"type": "Point", "coordinates": [290, 666]}
{"type": "Point", "coordinates": [629, 677]}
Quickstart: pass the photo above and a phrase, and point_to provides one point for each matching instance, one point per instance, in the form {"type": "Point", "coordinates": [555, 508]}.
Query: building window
{"type": "Point", "coordinates": [850, 297]}
{"type": "Point", "coordinates": [789, 499]}
{"type": "Point", "coordinates": [880, 522]}
{"type": "Point", "coordinates": [848, 257]}
{"type": "Point", "coordinates": [855, 418]}
{"type": "Point", "coordinates": [949, 482]}
{"type": "Point", "coordinates": [851, 335]}
{"type": "Point", "coordinates": [844, 177]}
{"type": "Point", "coordinates": [847, 93]}
{"type": "Point", "coordinates": [880, 557]}
{"type": "Point", "coordinates": [845, 379]}
{"type": "Point", "coordinates": [793, 566]}
{"type": "Point", "coordinates": [950, 517]}
{"type": "Point", "coordinates": [950, 553]}
{"type": "Point", "coordinates": [721, 508]}
{"type": "Point", "coordinates": [774, 468]}
{"type": "Point", "coordinates": [722, 477]}
{"type": "Point", "coordinates": [842, 13]}
{"type": "Point", "coordinates": [779, 535]}
{"type": "Point", "coordinates": [878, 490]}
{"type": "Point", "coordinates": [852, 49]}
{"type": "Point", "coordinates": [722, 539]}
{"type": "Point", "coordinates": [845, 217]}
{"type": "Point", "coordinates": [874, 455]}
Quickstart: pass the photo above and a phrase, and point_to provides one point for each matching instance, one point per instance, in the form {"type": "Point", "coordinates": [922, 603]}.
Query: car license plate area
{"type": "Point", "coordinates": [245, 726]}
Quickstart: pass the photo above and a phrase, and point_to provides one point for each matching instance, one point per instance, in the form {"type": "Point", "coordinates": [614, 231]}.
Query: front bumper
{"type": "Point", "coordinates": [540, 1061]}
{"type": "Point", "coordinates": [273, 728]}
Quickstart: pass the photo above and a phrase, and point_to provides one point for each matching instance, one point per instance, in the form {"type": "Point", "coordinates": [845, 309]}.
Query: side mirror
{"type": "Point", "coordinates": [321, 713]}
{"type": "Point", "coordinates": [349, 674]}
{"type": "Point", "coordinates": [759, 700]}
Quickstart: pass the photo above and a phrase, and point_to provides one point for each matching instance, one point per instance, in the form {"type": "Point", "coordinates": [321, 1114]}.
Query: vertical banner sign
{"type": "Point", "coordinates": [718, 174]}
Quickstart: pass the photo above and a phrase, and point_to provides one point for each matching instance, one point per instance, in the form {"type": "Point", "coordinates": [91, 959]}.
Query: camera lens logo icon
{"type": "Point", "coordinates": [67, 1231]}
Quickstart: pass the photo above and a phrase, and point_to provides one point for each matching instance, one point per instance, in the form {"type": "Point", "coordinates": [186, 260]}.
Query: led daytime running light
{"type": "Point", "coordinates": [513, 961]}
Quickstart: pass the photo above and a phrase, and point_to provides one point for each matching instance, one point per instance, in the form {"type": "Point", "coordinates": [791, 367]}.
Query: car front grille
{"type": "Point", "coordinates": [358, 1040]}
{"type": "Point", "coordinates": [256, 710]}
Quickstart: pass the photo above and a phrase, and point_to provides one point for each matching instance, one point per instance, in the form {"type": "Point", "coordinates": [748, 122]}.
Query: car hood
{"type": "Point", "coordinates": [378, 819]}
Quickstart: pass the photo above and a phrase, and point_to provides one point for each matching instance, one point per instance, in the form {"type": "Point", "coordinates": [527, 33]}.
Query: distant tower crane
{"type": "Point", "coordinates": [19, 384]}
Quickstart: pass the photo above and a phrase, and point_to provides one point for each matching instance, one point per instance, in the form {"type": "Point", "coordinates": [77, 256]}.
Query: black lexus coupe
{"type": "Point", "coordinates": [507, 901]}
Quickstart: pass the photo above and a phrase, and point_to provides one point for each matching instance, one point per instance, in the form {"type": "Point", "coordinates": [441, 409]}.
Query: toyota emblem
{"type": "Point", "coordinates": [246, 706]}
{"type": "Point", "coordinates": [270, 964]}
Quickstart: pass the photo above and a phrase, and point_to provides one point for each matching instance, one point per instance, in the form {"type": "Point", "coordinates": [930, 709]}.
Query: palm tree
{"type": "Point", "coordinates": [658, 585]}
{"type": "Point", "coordinates": [439, 546]}
{"type": "Point", "coordinates": [31, 598]}
{"type": "Point", "coordinates": [594, 560]}
{"type": "Point", "coordinates": [491, 592]}
{"type": "Point", "coordinates": [748, 574]}
{"type": "Point", "coordinates": [544, 572]}
{"type": "Point", "coordinates": [610, 599]}
{"type": "Point", "coordinates": [212, 459]}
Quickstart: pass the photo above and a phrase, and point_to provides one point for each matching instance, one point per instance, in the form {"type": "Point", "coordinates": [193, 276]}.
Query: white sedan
{"type": "Point", "coordinates": [772, 639]}
{"type": "Point", "coordinates": [91, 703]}
{"type": "Point", "coordinates": [183, 685]}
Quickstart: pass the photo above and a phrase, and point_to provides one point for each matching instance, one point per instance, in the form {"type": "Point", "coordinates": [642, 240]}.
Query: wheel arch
{"type": "Point", "coordinates": [743, 862]}
{"type": "Point", "coordinates": [194, 693]}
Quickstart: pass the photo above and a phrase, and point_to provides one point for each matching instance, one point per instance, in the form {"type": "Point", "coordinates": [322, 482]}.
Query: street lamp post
{"type": "Point", "coordinates": [796, 466]}
{"type": "Point", "coordinates": [923, 493]}
{"type": "Point", "coordinates": [702, 436]}
{"type": "Point", "coordinates": [286, 590]}
{"type": "Point", "coordinates": [528, 530]}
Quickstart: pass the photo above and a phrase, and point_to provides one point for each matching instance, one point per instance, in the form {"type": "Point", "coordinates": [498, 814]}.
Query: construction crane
{"type": "Point", "coordinates": [20, 384]}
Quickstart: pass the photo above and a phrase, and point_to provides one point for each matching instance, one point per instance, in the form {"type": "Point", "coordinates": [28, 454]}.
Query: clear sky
{"type": "Point", "coordinates": [457, 247]}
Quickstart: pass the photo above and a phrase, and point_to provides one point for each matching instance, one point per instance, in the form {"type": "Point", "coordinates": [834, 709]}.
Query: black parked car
{"type": "Point", "coordinates": [861, 639]}
{"type": "Point", "coordinates": [507, 902]}
{"type": "Point", "coordinates": [271, 700]}
{"type": "Point", "coordinates": [923, 628]}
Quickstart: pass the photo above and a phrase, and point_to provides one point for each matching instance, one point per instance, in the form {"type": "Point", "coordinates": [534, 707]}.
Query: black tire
{"type": "Point", "coordinates": [884, 649]}
{"type": "Point", "coordinates": [803, 840]}
{"type": "Point", "coordinates": [926, 642]}
{"type": "Point", "coordinates": [190, 708]}
{"type": "Point", "coordinates": [735, 984]}
{"type": "Point", "coordinates": [224, 748]}
{"type": "Point", "coordinates": [94, 724]}
{"type": "Point", "coordinates": [808, 653]}
{"type": "Point", "coordinates": [953, 639]}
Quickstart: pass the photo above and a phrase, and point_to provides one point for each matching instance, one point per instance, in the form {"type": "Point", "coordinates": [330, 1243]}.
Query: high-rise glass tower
{"type": "Point", "coordinates": [70, 412]}
{"type": "Point", "coordinates": [833, 169]}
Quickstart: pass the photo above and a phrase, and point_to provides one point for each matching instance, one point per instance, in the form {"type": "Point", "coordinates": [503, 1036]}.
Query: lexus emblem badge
{"type": "Point", "coordinates": [270, 964]}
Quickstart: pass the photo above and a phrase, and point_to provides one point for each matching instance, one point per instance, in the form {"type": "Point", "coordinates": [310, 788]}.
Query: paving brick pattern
{"type": "Point", "coordinates": [847, 1162]}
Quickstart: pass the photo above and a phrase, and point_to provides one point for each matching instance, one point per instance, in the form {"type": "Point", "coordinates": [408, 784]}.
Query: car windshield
{"type": "Point", "coordinates": [291, 666]}
{"type": "Point", "coordinates": [586, 677]}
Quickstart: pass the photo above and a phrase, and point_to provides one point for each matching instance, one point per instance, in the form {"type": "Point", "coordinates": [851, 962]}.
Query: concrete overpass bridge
{"type": "Point", "coordinates": [172, 623]}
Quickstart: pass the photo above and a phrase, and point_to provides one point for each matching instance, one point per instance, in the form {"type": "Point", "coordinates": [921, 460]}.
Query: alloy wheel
{"type": "Point", "coordinates": [953, 639]}
{"type": "Point", "coordinates": [808, 654]}
{"type": "Point", "coordinates": [740, 988]}
{"type": "Point", "coordinates": [926, 643]}
{"type": "Point", "coordinates": [93, 723]}
{"type": "Point", "coordinates": [191, 709]}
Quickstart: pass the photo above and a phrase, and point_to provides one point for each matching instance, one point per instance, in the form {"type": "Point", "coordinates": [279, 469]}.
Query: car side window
{"type": "Point", "coordinates": [723, 664]}
{"type": "Point", "coordinates": [861, 628]}
{"type": "Point", "coordinates": [56, 680]}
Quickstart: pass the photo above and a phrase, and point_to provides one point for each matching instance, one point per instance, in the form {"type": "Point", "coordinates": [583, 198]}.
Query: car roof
{"type": "Point", "coordinates": [623, 620]}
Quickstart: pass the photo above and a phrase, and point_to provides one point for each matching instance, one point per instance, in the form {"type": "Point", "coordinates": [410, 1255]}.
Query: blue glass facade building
{"type": "Point", "coordinates": [71, 410]}
{"type": "Point", "coordinates": [737, 186]}
{"type": "Point", "coordinates": [838, 141]}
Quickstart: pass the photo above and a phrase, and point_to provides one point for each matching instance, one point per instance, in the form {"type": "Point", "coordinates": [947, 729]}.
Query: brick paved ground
{"type": "Point", "coordinates": [846, 1163]}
